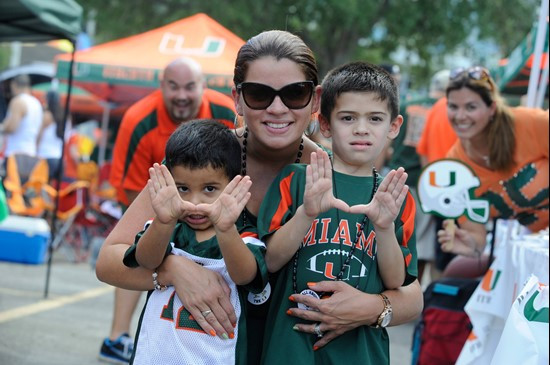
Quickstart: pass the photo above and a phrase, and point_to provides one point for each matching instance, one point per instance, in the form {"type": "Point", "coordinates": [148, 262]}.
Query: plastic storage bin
{"type": "Point", "coordinates": [24, 239]}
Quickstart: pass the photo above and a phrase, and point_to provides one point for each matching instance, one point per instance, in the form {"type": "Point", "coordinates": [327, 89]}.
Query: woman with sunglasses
{"type": "Point", "coordinates": [276, 94]}
{"type": "Point", "coordinates": [508, 150]}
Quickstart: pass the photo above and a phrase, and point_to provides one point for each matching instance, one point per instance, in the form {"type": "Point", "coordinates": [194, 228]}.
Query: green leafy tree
{"type": "Point", "coordinates": [343, 30]}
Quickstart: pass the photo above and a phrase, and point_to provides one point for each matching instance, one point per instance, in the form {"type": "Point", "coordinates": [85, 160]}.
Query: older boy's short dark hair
{"type": "Point", "coordinates": [359, 77]}
{"type": "Point", "coordinates": [204, 142]}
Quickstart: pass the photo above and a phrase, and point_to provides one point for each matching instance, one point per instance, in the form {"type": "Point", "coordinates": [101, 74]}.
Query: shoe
{"type": "Point", "coordinates": [118, 351]}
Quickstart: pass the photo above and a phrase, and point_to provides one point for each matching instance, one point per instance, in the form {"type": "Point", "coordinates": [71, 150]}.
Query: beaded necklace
{"type": "Point", "coordinates": [243, 162]}
{"type": "Point", "coordinates": [364, 222]}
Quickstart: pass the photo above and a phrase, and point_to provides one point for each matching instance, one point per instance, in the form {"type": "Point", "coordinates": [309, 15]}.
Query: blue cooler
{"type": "Point", "coordinates": [24, 239]}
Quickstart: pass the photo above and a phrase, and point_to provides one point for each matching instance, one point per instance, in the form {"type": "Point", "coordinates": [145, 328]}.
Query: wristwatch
{"type": "Point", "coordinates": [385, 317]}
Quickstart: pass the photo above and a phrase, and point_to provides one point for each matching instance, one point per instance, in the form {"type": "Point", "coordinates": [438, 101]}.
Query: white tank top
{"type": "Point", "coordinates": [50, 144]}
{"type": "Point", "coordinates": [23, 139]}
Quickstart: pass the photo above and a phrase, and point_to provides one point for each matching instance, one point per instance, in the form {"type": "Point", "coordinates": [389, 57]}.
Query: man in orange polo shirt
{"type": "Point", "coordinates": [140, 142]}
{"type": "Point", "coordinates": [146, 126]}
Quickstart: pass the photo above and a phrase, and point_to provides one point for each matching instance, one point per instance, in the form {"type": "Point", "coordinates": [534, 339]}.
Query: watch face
{"type": "Point", "coordinates": [386, 320]}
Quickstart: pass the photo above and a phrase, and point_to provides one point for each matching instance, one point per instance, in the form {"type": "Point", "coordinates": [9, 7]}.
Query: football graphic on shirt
{"type": "Point", "coordinates": [329, 262]}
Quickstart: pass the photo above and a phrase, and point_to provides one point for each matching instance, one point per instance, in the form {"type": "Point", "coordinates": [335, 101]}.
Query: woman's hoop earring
{"type": "Point", "coordinates": [312, 128]}
{"type": "Point", "coordinates": [236, 122]}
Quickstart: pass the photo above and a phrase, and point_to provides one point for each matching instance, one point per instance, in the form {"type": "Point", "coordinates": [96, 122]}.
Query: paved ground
{"type": "Point", "coordinates": [67, 328]}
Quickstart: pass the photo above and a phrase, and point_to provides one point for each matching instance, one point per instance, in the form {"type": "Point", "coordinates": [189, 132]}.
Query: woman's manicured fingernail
{"type": "Point", "coordinates": [231, 335]}
{"type": "Point", "coordinates": [225, 336]}
{"type": "Point", "coordinates": [311, 284]}
{"type": "Point", "coordinates": [289, 312]}
{"type": "Point", "coordinates": [234, 325]}
{"type": "Point", "coordinates": [213, 333]}
{"type": "Point", "coordinates": [315, 348]}
{"type": "Point", "coordinates": [291, 298]}
{"type": "Point", "coordinates": [295, 327]}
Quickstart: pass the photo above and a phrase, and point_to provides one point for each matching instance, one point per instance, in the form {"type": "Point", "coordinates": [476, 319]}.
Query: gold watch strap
{"type": "Point", "coordinates": [385, 299]}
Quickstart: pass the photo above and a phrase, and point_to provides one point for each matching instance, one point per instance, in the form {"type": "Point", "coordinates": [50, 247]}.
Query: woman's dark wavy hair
{"type": "Point", "coordinates": [278, 44]}
{"type": "Point", "coordinates": [501, 130]}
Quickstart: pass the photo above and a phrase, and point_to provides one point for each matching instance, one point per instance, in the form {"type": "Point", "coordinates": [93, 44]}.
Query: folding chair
{"type": "Point", "coordinates": [71, 236]}
{"type": "Point", "coordinates": [26, 185]}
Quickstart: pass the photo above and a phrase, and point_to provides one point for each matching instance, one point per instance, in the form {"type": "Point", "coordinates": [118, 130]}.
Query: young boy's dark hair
{"type": "Point", "coordinates": [204, 142]}
{"type": "Point", "coordinates": [359, 77]}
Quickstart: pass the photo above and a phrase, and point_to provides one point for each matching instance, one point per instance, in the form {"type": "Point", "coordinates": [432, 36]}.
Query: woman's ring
{"type": "Point", "coordinates": [206, 312]}
{"type": "Point", "coordinates": [317, 330]}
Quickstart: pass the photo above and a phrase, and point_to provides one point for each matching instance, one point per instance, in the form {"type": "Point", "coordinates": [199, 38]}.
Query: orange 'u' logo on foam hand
{"type": "Point", "coordinates": [452, 180]}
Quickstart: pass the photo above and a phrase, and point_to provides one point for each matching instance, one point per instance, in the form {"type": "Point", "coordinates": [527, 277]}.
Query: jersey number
{"type": "Point", "coordinates": [185, 320]}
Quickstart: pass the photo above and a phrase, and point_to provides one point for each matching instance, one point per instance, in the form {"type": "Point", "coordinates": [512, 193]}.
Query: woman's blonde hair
{"type": "Point", "coordinates": [501, 128]}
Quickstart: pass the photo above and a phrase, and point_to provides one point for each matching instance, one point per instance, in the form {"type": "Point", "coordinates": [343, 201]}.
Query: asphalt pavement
{"type": "Point", "coordinates": [68, 326]}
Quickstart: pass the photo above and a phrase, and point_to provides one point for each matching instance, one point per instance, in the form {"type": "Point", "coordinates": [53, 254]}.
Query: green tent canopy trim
{"type": "Point", "coordinates": [39, 20]}
{"type": "Point", "coordinates": [147, 78]}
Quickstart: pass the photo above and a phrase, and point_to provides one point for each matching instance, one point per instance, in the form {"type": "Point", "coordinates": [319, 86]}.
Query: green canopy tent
{"type": "Point", "coordinates": [42, 20]}
{"type": "Point", "coordinates": [512, 76]}
{"type": "Point", "coordinates": [521, 72]}
{"type": "Point", "coordinates": [39, 20]}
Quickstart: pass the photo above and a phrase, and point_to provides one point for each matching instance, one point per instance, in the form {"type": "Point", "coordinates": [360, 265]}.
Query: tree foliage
{"type": "Point", "coordinates": [339, 31]}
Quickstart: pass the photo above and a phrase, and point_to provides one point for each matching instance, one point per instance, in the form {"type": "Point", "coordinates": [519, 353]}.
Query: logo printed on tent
{"type": "Point", "coordinates": [174, 44]}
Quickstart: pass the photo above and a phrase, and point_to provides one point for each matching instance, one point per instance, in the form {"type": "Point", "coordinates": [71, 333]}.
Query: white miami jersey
{"type": "Point", "coordinates": [168, 334]}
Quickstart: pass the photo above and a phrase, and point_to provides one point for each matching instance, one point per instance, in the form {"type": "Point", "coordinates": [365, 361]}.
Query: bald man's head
{"type": "Point", "coordinates": [182, 86]}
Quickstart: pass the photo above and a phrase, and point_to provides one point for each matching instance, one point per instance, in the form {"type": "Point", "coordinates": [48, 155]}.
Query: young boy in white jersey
{"type": "Point", "coordinates": [335, 220]}
{"type": "Point", "coordinates": [197, 196]}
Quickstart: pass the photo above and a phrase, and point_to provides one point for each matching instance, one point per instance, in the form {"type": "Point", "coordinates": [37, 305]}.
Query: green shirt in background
{"type": "Point", "coordinates": [404, 146]}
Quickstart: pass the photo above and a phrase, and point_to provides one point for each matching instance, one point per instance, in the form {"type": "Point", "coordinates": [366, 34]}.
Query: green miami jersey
{"type": "Point", "coordinates": [325, 254]}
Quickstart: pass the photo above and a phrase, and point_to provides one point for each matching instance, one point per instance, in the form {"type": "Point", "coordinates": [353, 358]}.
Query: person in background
{"type": "Point", "coordinates": [315, 216]}
{"type": "Point", "coordinates": [197, 197]}
{"type": "Point", "coordinates": [507, 148]}
{"type": "Point", "coordinates": [276, 92]}
{"type": "Point", "coordinates": [23, 119]}
{"type": "Point", "coordinates": [395, 72]}
{"type": "Point", "coordinates": [49, 145]}
{"type": "Point", "coordinates": [140, 142]}
{"type": "Point", "coordinates": [438, 136]}
{"type": "Point", "coordinates": [403, 154]}
{"type": "Point", "coordinates": [436, 140]}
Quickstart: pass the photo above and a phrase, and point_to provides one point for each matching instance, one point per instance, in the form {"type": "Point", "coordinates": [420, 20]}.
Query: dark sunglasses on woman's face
{"type": "Point", "coordinates": [475, 73]}
{"type": "Point", "coordinates": [259, 96]}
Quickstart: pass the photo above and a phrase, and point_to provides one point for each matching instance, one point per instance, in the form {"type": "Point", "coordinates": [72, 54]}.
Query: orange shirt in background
{"type": "Point", "coordinates": [438, 136]}
{"type": "Point", "coordinates": [520, 193]}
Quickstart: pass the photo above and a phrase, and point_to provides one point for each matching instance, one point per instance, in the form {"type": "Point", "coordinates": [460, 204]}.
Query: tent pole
{"type": "Point", "coordinates": [59, 172]}
{"type": "Point", "coordinates": [537, 55]}
{"type": "Point", "coordinates": [542, 86]}
{"type": "Point", "coordinates": [104, 130]}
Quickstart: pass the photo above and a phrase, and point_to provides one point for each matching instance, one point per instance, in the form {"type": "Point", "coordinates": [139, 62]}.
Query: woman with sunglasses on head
{"type": "Point", "coordinates": [276, 94]}
{"type": "Point", "coordinates": [508, 150]}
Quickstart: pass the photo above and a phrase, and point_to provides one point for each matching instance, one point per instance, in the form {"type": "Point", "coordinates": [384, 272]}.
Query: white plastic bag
{"type": "Point", "coordinates": [525, 336]}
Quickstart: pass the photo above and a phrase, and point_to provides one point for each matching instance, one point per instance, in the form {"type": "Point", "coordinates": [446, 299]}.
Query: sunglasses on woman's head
{"type": "Point", "coordinates": [259, 96]}
{"type": "Point", "coordinates": [475, 73]}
